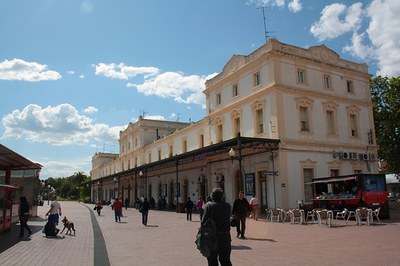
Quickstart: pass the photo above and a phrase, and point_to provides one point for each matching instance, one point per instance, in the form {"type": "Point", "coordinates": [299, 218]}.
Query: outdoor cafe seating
{"type": "Point", "coordinates": [342, 214]}
{"type": "Point", "coordinates": [312, 214]}
{"type": "Point", "coordinates": [351, 214]}
{"type": "Point", "coordinates": [326, 215]}
{"type": "Point", "coordinates": [364, 214]}
{"type": "Point", "coordinates": [284, 214]}
{"type": "Point", "coordinates": [273, 214]}
{"type": "Point", "coordinates": [296, 215]}
{"type": "Point", "coordinates": [375, 213]}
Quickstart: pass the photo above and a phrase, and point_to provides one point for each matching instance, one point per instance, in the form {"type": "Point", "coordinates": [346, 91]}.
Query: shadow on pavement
{"type": "Point", "coordinates": [260, 239]}
{"type": "Point", "coordinates": [241, 247]}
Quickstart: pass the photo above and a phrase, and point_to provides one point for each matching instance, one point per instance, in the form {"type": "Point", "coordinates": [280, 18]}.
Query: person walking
{"type": "Point", "coordinates": [112, 203]}
{"type": "Point", "coordinates": [117, 210]}
{"type": "Point", "coordinates": [144, 209]}
{"type": "Point", "coordinates": [254, 203]}
{"type": "Point", "coordinates": [98, 206]}
{"type": "Point", "coordinates": [240, 208]}
{"type": "Point", "coordinates": [200, 207]}
{"type": "Point", "coordinates": [55, 211]}
{"type": "Point", "coordinates": [220, 211]}
{"type": "Point", "coordinates": [24, 217]}
{"type": "Point", "coordinates": [189, 209]}
{"type": "Point", "coordinates": [126, 203]}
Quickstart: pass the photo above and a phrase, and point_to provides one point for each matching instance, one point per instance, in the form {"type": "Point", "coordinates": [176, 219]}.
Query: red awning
{"type": "Point", "coordinates": [334, 179]}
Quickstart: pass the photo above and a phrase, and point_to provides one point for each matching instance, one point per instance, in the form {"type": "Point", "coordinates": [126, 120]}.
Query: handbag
{"type": "Point", "coordinates": [233, 221]}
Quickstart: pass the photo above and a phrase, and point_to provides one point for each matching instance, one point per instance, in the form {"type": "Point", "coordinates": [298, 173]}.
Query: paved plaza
{"type": "Point", "coordinates": [168, 239]}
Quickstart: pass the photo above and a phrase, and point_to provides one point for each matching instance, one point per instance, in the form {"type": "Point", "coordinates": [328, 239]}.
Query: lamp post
{"type": "Point", "coordinates": [98, 190]}
{"type": "Point", "coordinates": [90, 193]}
{"type": "Point", "coordinates": [233, 156]}
{"type": "Point", "coordinates": [145, 185]}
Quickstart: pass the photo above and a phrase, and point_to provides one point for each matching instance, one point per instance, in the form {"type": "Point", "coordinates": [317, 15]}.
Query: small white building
{"type": "Point", "coordinates": [290, 114]}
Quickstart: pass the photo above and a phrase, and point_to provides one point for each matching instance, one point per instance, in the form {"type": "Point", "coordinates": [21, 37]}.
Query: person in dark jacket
{"type": "Point", "coordinates": [220, 211]}
{"type": "Point", "coordinates": [144, 209]}
{"type": "Point", "coordinates": [189, 209]}
{"type": "Point", "coordinates": [240, 209]}
{"type": "Point", "coordinates": [24, 217]}
{"type": "Point", "coordinates": [126, 203]}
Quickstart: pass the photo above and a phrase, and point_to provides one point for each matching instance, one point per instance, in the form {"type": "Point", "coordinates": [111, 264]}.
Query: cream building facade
{"type": "Point", "coordinates": [291, 114]}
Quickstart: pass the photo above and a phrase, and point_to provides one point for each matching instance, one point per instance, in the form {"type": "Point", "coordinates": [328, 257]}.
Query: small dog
{"type": "Point", "coordinates": [69, 225]}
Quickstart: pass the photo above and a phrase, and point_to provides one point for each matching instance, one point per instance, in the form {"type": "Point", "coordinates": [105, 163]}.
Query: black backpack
{"type": "Point", "coordinates": [206, 238]}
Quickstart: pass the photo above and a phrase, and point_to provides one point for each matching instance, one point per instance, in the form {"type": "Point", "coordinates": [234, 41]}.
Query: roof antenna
{"type": "Point", "coordinates": [266, 33]}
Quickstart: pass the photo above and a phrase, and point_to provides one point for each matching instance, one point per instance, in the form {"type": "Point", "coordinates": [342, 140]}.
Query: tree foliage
{"type": "Point", "coordinates": [386, 99]}
{"type": "Point", "coordinates": [68, 187]}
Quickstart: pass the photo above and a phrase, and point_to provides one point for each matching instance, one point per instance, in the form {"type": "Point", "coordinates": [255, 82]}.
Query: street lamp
{"type": "Point", "coordinates": [233, 156]}
{"type": "Point", "coordinates": [141, 175]}
{"type": "Point", "coordinates": [98, 190]}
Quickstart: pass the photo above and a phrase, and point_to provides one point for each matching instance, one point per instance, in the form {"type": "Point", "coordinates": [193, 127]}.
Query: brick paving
{"type": "Point", "coordinates": [169, 240]}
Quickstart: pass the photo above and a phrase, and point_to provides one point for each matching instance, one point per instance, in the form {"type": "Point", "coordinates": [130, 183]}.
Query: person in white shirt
{"type": "Point", "coordinates": [55, 210]}
{"type": "Point", "coordinates": [254, 203]}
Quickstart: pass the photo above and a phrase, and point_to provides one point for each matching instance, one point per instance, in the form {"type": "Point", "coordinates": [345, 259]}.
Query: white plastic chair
{"type": "Point", "coordinates": [352, 214]}
{"type": "Point", "coordinates": [325, 215]}
{"type": "Point", "coordinates": [375, 213]}
{"type": "Point", "coordinates": [363, 213]}
{"type": "Point", "coordinates": [296, 215]}
{"type": "Point", "coordinates": [275, 214]}
{"type": "Point", "coordinates": [342, 215]}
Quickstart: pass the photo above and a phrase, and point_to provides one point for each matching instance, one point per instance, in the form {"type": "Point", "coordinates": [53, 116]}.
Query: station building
{"type": "Point", "coordinates": [275, 119]}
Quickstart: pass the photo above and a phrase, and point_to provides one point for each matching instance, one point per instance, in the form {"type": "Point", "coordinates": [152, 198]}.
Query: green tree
{"type": "Point", "coordinates": [386, 99]}
{"type": "Point", "coordinates": [69, 187]}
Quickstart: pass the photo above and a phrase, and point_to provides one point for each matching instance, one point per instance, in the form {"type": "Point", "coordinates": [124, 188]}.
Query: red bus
{"type": "Point", "coordinates": [351, 192]}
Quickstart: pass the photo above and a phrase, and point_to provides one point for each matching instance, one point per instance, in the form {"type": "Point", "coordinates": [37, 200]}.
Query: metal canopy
{"type": "Point", "coordinates": [10, 160]}
{"type": "Point", "coordinates": [248, 145]}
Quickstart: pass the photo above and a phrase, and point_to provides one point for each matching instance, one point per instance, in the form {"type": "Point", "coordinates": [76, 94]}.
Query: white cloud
{"type": "Point", "coordinates": [81, 76]}
{"type": "Point", "coordinates": [90, 110]}
{"type": "Point", "coordinates": [259, 3]}
{"type": "Point", "coordinates": [121, 71]}
{"type": "Point", "coordinates": [381, 41]}
{"type": "Point", "coordinates": [87, 7]}
{"type": "Point", "coordinates": [64, 168]}
{"type": "Point", "coordinates": [331, 24]}
{"type": "Point", "coordinates": [59, 125]}
{"type": "Point", "coordinates": [154, 117]}
{"type": "Point", "coordinates": [175, 85]}
{"type": "Point", "coordinates": [71, 72]}
{"type": "Point", "coordinates": [18, 69]}
{"type": "Point", "coordinates": [295, 6]}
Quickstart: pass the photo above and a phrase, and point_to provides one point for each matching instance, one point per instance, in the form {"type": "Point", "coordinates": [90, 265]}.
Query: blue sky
{"type": "Point", "coordinates": [74, 73]}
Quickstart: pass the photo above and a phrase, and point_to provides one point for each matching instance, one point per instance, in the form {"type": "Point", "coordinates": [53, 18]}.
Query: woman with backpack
{"type": "Point", "coordinates": [220, 212]}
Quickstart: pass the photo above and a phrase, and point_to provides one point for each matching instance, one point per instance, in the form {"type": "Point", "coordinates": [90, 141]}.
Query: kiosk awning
{"type": "Point", "coordinates": [333, 179]}
{"type": "Point", "coordinates": [13, 161]}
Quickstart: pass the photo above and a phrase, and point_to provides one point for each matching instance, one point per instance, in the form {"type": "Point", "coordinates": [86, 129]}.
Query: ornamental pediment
{"type": "Point", "coordinates": [236, 62]}
{"type": "Point", "coordinates": [324, 54]}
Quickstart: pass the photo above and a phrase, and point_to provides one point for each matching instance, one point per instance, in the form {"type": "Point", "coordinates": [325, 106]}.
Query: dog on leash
{"type": "Point", "coordinates": [69, 225]}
